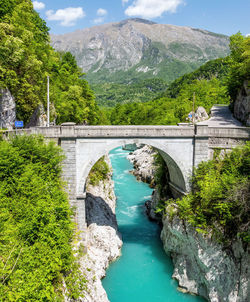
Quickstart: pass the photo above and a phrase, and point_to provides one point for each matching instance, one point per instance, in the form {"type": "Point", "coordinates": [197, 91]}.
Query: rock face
{"type": "Point", "coordinates": [7, 109]}
{"type": "Point", "coordinates": [143, 161]}
{"type": "Point", "coordinates": [102, 237]}
{"type": "Point", "coordinates": [242, 105]}
{"type": "Point", "coordinates": [140, 48]}
{"type": "Point", "coordinates": [202, 267]}
{"type": "Point", "coordinates": [38, 118]}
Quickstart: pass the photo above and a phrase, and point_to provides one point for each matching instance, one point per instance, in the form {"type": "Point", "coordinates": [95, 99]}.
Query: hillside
{"type": "Point", "coordinates": [216, 82]}
{"type": "Point", "coordinates": [26, 59]}
{"type": "Point", "coordinates": [138, 49]}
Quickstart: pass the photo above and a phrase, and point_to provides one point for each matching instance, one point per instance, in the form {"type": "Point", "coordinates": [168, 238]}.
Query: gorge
{"type": "Point", "coordinates": [143, 272]}
{"type": "Point", "coordinates": [201, 266]}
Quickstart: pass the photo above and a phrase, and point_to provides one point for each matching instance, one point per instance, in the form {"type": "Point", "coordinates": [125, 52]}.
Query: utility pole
{"type": "Point", "coordinates": [193, 107]}
{"type": "Point", "coordinates": [48, 101]}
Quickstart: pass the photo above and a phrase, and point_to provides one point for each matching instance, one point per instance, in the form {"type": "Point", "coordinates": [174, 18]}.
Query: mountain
{"type": "Point", "coordinates": [137, 49]}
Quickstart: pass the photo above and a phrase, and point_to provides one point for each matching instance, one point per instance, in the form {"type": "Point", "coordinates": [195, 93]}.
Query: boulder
{"type": "Point", "coordinates": [199, 116]}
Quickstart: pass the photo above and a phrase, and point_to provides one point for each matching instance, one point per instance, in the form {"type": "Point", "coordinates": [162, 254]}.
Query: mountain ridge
{"type": "Point", "coordinates": [140, 49]}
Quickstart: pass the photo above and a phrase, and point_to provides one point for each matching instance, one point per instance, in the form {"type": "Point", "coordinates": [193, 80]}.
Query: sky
{"type": "Point", "coordinates": [219, 16]}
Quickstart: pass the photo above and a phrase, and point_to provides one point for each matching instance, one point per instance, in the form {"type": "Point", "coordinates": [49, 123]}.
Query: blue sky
{"type": "Point", "coordinates": [220, 16]}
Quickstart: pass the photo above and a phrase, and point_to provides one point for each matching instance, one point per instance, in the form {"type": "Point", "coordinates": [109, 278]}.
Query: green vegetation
{"type": "Point", "coordinates": [170, 111]}
{"type": "Point", "coordinates": [216, 82]}
{"type": "Point", "coordinates": [216, 68]}
{"type": "Point", "coordinates": [26, 59]}
{"type": "Point", "coordinates": [220, 198]}
{"type": "Point", "coordinates": [111, 94]}
{"type": "Point", "coordinates": [98, 172]}
{"type": "Point", "coordinates": [239, 61]}
{"type": "Point", "coordinates": [36, 228]}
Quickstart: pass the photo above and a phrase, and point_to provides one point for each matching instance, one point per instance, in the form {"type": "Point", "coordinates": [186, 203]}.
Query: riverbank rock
{"type": "Point", "coordinates": [102, 237]}
{"type": "Point", "coordinates": [152, 206]}
{"type": "Point", "coordinates": [7, 109]}
{"type": "Point", "coordinates": [143, 162]}
{"type": "Point", "coordinates": [201, 265]}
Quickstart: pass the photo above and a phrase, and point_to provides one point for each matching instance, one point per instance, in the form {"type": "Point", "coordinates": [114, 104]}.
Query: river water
{"type": "Point", "coordinates": [143, 272]}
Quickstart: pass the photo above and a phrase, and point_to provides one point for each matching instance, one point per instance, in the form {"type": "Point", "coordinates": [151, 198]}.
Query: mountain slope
{"type": "Point", "coordinates": [140, 49]}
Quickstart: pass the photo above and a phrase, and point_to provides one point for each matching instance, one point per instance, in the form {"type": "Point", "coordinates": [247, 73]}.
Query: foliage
{"type": "Point", "coordinates": [239, 61]}
{"type": "Point", "coordinates": [216, 68]}
{"type": "Point", "coordinates": [111, 94]}
{"type": "Point", "coordinates": [213, 83]}
{"type": "Point", "coordinates": [26, 59]}
{"type": "Point", "coordinates": [98, 172]}
{"type": "Point", "coordinates": [36, 229]}
{"type": "Point", "coordinates": [170, 111]}
{"type": "Point", "coordinates": [220, 199]}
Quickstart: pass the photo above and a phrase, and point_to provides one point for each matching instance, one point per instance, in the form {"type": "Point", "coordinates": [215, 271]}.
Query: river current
{"type": "Point", "coordinates": [143, 272]}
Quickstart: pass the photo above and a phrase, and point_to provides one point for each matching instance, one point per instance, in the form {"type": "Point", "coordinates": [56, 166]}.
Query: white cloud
{"type": "Point", "coordinates": [67, 16]}
{"type": "Point", "coordinates": [38, 5]}
{"type": "Point", "coordinates": [152, 8]}
{"type": "Point", "coordinates": [247, 35]}
{"type": "Point", "coordinates": [101, 12]}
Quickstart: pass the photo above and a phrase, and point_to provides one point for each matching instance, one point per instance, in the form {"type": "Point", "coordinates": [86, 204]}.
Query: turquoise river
{"type": "Point", "coordinates": [143, 272]}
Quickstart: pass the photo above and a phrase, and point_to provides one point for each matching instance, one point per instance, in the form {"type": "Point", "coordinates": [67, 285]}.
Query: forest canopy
{"type": "Point", "coordinates": [26, 59]}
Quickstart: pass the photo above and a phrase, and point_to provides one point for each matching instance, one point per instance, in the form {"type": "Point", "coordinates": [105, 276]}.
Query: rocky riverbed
{"type": "Point", "coordinates": [103, 241]}
{"type": "Point", "coordinates": [143, 162]}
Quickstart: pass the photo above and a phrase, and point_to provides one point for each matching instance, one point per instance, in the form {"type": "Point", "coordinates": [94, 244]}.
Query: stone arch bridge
{"type": "Point", "coordinates": [182, 147]}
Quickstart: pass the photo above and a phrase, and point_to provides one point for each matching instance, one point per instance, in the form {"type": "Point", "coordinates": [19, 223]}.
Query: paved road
{"type": "Point", "coordinates": [221, 116]}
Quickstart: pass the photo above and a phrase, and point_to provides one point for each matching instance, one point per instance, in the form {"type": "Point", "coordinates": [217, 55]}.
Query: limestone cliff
{"type": "Point", "coordinates": [202, 266]}
{"type": "Point", "coordinates": [7, 109]}
{"type": "Point", "coordinates": [103, 241]}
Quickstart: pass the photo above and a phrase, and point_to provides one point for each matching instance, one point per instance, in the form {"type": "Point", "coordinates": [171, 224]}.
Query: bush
{"type": "Point", "coordinates": [220, 200]}
{"type": "Point", "coordinates": [35, 222]}
{"type": "Point", "coordinates": [98, 172]}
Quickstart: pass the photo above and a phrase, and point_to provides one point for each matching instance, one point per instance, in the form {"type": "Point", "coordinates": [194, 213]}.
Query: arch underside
{"type": "Point", "coordinates": [177, 153]}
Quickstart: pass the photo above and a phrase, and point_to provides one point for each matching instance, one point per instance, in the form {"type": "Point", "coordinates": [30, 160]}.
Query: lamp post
{"type": "Point", "coordinates": [48, 101]}
{"type": "Point", "coordinates": [193, 107]}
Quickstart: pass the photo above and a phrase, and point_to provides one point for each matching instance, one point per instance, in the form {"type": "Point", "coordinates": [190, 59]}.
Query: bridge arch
{"type": "Point", "coordinates": [179, 160]}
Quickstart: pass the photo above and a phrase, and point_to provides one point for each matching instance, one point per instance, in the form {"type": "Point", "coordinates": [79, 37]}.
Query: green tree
{"type": "Point", "coordinates": [36, 230]}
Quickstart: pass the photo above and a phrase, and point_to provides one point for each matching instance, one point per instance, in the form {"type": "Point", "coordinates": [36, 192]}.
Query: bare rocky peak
{"type": "Point", "coordinates": [141, 43]}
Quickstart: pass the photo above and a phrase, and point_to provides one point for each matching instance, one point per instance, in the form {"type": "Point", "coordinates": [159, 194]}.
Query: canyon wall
{"type": "Point", "coordinates": [103, 241]}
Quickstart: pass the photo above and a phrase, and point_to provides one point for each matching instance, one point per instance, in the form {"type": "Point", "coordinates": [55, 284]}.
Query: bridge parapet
{"type": "Point", "coordinates": [108, 131]}
{"type": "Point", "coordinates": [211, 131]}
